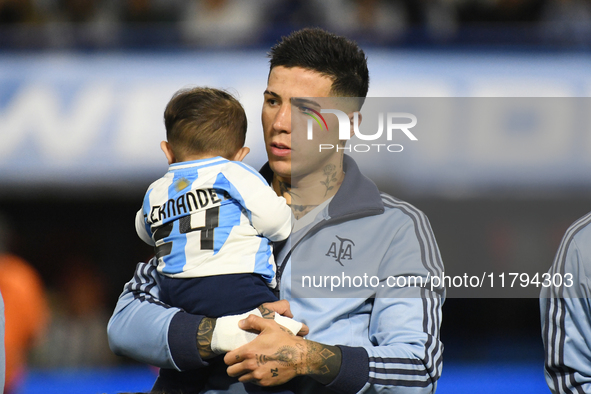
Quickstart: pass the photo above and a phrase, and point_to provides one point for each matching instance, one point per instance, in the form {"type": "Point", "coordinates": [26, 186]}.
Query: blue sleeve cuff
{"type": "Point", "coordinates": [354, 370]}
{"type": "Point", "coordinates": [182, 340]}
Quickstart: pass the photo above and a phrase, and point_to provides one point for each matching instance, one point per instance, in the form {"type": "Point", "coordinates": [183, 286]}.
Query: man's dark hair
{"type": "Point", "coordinates": [328, 54]}
{"type": "Point", "coordinates": [204, 120]}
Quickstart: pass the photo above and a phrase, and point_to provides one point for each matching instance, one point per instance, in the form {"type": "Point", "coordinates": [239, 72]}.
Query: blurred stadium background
{"type": "Point", "coordinates": [83, 84]}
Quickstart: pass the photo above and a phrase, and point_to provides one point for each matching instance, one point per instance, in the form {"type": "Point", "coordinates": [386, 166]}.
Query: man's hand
{"type": "Point", "coordinates": [269, 309]}
{"type": "Point", "coordinates": [277, 356]}
{"type": "Point", "coordinates": [208, 324]}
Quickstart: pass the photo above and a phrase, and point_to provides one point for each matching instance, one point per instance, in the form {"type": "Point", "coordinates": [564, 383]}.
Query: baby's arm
{"type": "Point", "coordinates": [141, 229]}
{"type": "Point", "coordinates": [269, 214]}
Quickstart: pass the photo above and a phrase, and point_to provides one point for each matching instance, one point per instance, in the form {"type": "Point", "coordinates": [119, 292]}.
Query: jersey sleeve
{"type": "Point", "coordinates": [404, 324]}
{"type": "Point", "coordinates": [147, 330]}
{"type": "Point", "coordinates": [566, 315]}
{"type": "Point", "coordinates": [269, 214]}
{"type": "Point", "coordinates": [142, 229]}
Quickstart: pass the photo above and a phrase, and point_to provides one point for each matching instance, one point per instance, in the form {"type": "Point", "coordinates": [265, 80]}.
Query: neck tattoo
{"type": "Point", "coordinates": [330, 171]}
{"type": "Point", "coordinates": [299, 211]}
{"type": "Point", "coordinates": [331, 180]}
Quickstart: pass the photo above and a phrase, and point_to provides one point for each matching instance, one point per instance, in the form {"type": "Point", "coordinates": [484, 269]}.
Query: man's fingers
{"type": "Point", "coordinates": [281, 307]}
{"type": "Point", "coordinates": [304, 330]}
{"type": "Point", "coordinates": [251, 323]}
{"type": "Point", "coordinates": [255, 323]}
{"type": "Point", "coordinates": [241, 368]}
{"type": "Point", "coordinates": [267, 312]}
{"type": "Point", "coordinates": [246, 378]}
{"type": "Point", "coordinates": [232, 357]}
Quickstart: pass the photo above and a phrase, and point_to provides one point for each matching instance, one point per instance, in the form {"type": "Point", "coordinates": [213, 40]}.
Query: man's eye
{"type": "Point", "coordinates": [304, 110]}
{"type": "Point", "coordinates": [271, 101]}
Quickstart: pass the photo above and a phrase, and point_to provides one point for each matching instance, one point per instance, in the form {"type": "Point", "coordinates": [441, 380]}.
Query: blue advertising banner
{"type": "Point", "coordinates": [84, 120]}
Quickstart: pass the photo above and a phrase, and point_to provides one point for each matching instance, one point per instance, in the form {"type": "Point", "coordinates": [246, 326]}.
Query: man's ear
{"type": "Point", "coordinates": [241, 154]}
{"type": "Point", "coordinates": [165, 146]}
{"type": "Point", "coordinates": [352, 122]}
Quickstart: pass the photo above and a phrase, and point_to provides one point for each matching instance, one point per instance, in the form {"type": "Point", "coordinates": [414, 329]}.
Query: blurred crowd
{"type": "Point", "coordinates": [206, 23]}
{"type": "Point", "coordinates": [63, 325]}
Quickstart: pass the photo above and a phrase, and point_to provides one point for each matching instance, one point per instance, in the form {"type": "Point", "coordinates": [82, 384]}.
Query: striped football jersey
{"type": "Point", "coordinates": [213, 217]}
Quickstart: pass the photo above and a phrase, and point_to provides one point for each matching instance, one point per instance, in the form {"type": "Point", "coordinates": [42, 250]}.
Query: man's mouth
{"type": "Point", "coordinates": [279, 149]}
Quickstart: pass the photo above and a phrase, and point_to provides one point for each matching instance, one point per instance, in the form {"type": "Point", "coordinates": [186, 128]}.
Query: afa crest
{"type": "Point", "coordinates": [343, 251]}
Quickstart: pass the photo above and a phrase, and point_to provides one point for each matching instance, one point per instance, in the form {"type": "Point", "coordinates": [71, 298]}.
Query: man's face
{"type": "Point", "coordinates": [284, 84]}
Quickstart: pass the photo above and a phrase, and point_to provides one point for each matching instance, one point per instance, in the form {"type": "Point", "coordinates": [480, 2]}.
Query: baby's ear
{"type": "Point", "coordinates": [165, 146]}
{"type": "Point", "coordinates": [241, 154]}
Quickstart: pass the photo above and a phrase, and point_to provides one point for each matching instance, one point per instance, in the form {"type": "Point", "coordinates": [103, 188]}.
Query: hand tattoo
{"type": "Point", "coordinates": [323, 362]}
{"type": "Point", "coordinates": [262, 359]}
{"type": "Point", "coordinates": [286, 356]}
{"type": "Point", "coordinates": [286, 330]}
{"type": "Point", "coordinates": [204, 335]}
{"type": "Point", "coordinates": [266, 312]}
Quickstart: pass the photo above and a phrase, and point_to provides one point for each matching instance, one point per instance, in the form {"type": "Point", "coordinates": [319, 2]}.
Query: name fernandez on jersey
{"type": "Point", "coordinates": [187, 203]}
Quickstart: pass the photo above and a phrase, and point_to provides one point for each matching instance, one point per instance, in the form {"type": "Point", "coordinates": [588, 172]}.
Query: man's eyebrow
{"type": "Point", "coordinates": [271, 93]}
{"type": "Point", "coordinates": [302, 102]}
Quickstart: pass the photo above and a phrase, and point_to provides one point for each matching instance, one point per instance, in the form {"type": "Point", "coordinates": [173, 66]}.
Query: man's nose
{"type": "Point", "coordinates": [283, 119]}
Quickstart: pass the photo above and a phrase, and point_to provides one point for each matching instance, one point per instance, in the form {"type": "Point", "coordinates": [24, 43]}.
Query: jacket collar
{"type": "Point", "coordinates": [358, 195]}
